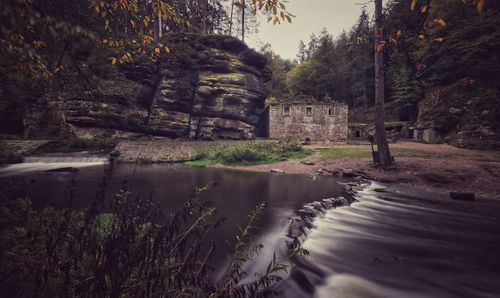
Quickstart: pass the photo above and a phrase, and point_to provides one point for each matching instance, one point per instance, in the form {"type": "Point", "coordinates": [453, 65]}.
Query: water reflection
{"type": "Point", "coordinates": [234, 193]}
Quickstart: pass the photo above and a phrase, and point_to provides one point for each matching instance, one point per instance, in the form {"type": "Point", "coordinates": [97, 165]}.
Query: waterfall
{"type": "Point", "coordinates": [66, 159]}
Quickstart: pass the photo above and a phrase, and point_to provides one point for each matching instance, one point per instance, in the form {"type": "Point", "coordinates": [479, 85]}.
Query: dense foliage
{"type": "Point", "coordinates": [131, 250]}
{"type": "Point", "coordinates": [434, 44]}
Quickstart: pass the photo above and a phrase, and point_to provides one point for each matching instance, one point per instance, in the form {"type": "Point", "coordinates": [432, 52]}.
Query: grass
{"type": "Point", "coordinates": [200, 162]}
{"type": "Point", "coordinates": [250, 153]}
{"type": "Point", "coordinates": [343, 152]}
{"type": "Point", "coordinates": [364, 152]}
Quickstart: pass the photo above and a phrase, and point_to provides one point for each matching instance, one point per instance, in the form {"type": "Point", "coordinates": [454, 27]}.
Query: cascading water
{"type": "Point", "coordinates": [397, 242]}
{"type": "Point", "coordinates": [55, 162]}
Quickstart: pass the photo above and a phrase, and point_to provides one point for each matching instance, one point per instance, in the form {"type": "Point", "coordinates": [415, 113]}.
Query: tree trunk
{"type": "Point", "coordinates": [231, 19]}
{"type": "Point", "coordinates": [383, 146]}
{"type": "Point", "coordinates": [203, 6]}
{"type": "Point", "coordinates": [243, 20]}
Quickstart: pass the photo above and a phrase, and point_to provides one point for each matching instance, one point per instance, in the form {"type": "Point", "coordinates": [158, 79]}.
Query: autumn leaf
{"type": "Point", "coordinates": [440, 22]}
{"type": "Point", "coordinates": [480, 6]}
{"type": "Point", "coordinates": [380, 47]}
{"type": "Point", "coordinates": [413, 4]}
{"type": "Point", "coordinates": [113, 60]}
{"type": "Point", "coordinates": [439, 39]}
{"type": "Point", "coordinates": [398, 34]}
{"type": "Point", "coordinates": [423, 9]}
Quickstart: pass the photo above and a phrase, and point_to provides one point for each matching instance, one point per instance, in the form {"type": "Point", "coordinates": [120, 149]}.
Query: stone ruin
{"type": "Point", "coordinates": [322, 121]}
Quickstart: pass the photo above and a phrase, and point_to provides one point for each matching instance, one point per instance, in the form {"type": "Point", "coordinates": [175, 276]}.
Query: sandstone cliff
{"type": "Point", "coordinates": [208, 87]}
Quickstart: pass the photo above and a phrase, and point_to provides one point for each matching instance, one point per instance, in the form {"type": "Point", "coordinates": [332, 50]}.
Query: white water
{"type": "Point", "coordinates": [30, 167]}
{"type": "Point", "coordinates": [54, 161]}
{"type": "Point", "coordinates": [401, 243]}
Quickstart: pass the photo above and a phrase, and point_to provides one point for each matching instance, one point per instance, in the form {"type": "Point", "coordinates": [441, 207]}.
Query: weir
{"type": "Point", "coordinates": [66, 159]}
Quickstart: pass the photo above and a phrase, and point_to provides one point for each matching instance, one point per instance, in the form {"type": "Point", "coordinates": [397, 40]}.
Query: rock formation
{"type": "Point", "coordinates": [207, 87]}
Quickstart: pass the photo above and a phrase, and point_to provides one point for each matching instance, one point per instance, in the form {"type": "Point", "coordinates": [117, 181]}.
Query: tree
{"type": "Point", "coordinates": [302, 54]}
{"type": "Point", "coordinates": [382, 145]}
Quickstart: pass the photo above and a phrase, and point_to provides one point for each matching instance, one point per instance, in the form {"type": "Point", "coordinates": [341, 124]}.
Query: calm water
{"type": "Point", "coordinates": [391, 242]}
{"type": "Point", "coordinates": [234, 193]}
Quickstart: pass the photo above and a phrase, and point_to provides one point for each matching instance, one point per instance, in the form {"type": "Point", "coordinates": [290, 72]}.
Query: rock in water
{"type": "Point", "coordinates": [463, 196]}
{"type": "Point", "coordinates": [207, 87]}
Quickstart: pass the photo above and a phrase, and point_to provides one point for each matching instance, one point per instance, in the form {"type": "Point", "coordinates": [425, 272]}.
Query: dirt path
{"type": "Point", "coordinates": [440, 168]}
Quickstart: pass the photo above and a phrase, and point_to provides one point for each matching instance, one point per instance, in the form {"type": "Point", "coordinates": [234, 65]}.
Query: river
{"type": "Point", "coordinates": [385, 241]}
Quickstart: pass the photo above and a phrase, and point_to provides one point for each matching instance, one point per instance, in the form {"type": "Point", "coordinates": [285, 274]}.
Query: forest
{"type": "Point", "coordinates": [149, 149]}
{"type": "Point", "coordinates": [449, 45]}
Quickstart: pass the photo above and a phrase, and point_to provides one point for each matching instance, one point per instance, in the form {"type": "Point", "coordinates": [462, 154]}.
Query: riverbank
{"type": "Point", "coordinates": [438, 168]}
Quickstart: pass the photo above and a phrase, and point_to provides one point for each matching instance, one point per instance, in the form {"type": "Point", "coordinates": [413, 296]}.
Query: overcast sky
{"type": "Point", "coordinates": [311, 16]}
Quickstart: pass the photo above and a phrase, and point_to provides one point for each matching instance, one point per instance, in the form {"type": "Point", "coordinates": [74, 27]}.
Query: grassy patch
{"type": "Point", "coordinates": [342, 152]}
{"type": "Point", "coordinates": [250, 153]}
{"type": "Point", "coordinates": [200, 162]}
{"type": "Point", "coordinates": [362, 152]}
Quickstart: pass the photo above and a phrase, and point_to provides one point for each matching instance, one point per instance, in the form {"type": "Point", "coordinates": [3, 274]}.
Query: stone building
{"type": "Point", "coordinates": [309, 121]}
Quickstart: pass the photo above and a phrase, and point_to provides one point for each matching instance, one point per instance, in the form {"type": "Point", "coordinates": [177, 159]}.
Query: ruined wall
{"type": "Point", "coordinates": [316, 122]}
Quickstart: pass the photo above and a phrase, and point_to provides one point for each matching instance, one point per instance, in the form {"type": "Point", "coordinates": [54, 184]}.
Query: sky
{"type": "Point", "coordinates": [311, 17]}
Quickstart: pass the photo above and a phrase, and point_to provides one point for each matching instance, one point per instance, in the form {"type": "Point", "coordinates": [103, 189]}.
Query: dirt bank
{"type": "Point", "coordinates": [439, 168]}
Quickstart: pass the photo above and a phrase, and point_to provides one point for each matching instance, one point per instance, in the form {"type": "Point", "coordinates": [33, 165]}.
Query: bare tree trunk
{"type": "Point", "coordinates": [383, 146]}
{"type": "Point", "coordinates": [160, 25]}
{"type": "Point", "coordinates": [203, 6]}
{"type": "Point", "coordinates": [243, 20]}
{"type": "Point", "coordinates": [231, 19]}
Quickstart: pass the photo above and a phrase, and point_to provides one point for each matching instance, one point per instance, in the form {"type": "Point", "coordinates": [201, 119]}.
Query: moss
{"type": "Point", "coordinates": [221, 76]}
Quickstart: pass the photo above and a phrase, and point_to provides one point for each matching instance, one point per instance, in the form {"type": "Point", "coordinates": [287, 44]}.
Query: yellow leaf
{"type": "Point", "coordinates": [413, 4]}
{"type": "Point", "coordinates": [157, 50]}
{"type": "Point", "coordinates": [440, 39]}
{"type": "Point", "coordinates": [166, 49]}
{"type": "Point", "coordinates": [421, 36]}
{"type": "Point", "coordinates": [440, 22]}
{"type": "Point", "coordinates": [398, 34]}
{"type": "Point", "coordinates": [480, 6]}
{"type": "Point", "coordinates": [423, 9]}
{"type": "Point", "coordinates": [113, 60]}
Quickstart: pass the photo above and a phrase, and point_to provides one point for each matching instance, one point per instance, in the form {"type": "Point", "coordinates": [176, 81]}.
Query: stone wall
{"type": "Point", "coordinates": [317, 122]}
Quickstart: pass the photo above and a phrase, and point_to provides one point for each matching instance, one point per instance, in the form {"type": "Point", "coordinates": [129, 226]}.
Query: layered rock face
{"type": "Point", "coordinates": [207, 87]}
